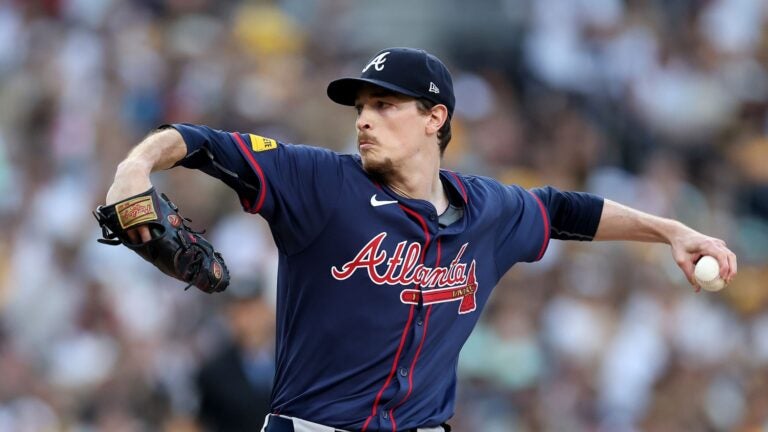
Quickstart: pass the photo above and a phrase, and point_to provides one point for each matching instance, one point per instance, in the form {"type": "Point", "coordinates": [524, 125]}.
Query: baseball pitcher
{"type": "Point", "coordinates": [386, 260]}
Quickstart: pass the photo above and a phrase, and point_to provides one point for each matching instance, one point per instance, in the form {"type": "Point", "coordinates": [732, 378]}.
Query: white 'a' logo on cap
{"type": "Point", "coordinates": [377, 62]}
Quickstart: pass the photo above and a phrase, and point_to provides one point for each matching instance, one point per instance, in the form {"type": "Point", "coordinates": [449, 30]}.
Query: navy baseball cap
{"type": "Point", "coordinates": [412, 72]}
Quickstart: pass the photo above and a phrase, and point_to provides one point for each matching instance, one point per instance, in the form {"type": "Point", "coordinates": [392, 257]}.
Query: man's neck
{"type": "Point", "coordinates": [423, 184]}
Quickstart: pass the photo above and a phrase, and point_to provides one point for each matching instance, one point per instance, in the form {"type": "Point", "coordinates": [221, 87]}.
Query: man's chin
{"type": "Point", "coordinates": [377, 168]}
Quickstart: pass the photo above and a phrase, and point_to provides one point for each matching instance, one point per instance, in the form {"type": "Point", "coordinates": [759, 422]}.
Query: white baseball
{"type": "Point", "coordinates": [707, 274]}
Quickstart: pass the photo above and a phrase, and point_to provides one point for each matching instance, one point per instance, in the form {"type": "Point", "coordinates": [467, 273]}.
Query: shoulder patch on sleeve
{"type": "Point", "coordinates": [260, 143]}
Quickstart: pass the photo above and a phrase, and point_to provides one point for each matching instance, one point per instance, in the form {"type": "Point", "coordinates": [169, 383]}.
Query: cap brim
{"type": "Point", "coordinates": [344, 90]}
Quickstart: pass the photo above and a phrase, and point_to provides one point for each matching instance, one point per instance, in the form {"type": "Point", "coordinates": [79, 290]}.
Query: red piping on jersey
{"type": "Point", "coordinates": [394, 422]}
{"type": "Point", "coordinates": [546, 226]}
{"type": "Point", "coordinates": [392, 371]}
{"type": "Point", "coordinates": [374, 409]}
{"type": "Point", "coordinates": [461, 186]}
{"type": "Point", "coordinates": [259, 172]}
{"type": "Point", "coordinates": [423, 226]}
{"type": "Point", "coordinates": [413, 367]}
{"type": "Point", "coordinates": [418, 352]}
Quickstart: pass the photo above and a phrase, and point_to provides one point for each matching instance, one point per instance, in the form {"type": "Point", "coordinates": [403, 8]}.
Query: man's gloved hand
{"type": "Point", "coordinates": [174, 248]}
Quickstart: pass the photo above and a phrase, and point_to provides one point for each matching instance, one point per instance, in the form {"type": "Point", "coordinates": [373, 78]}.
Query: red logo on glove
{"type": "Point", "coordinates": [136, 211]}
{"type": "Point", "coordinates": [174, 220]}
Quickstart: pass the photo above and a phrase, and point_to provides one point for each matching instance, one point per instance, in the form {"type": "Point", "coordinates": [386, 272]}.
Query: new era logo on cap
{"type": "Point", "coordinates": [409, 71]}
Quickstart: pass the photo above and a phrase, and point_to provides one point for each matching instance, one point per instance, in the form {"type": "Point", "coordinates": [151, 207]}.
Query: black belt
{"type": "Point", "coordinates": [282, 424]}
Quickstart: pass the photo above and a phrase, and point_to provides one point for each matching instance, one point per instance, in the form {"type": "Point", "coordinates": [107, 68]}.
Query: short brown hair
{"type": "Point", "coordinates": [444, 134]}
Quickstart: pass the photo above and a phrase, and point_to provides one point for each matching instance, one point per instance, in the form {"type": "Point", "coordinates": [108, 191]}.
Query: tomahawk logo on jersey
{"type": "Point", "coordinates": [375, 298]}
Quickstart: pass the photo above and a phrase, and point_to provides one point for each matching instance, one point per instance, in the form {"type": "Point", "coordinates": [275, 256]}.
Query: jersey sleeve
{"type": "Point", "coordinates": [531, 218]}
{"type": "Point", "coordinates": [212, 152]}
{"type": "Point", "coordinates": [294, 187]}
{"type": "Point", "coordinates": [524, 228]}
{"type": "Point", "coordinates": [573, 215]}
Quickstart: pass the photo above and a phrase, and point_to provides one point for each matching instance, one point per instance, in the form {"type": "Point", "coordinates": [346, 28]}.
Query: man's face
{"type": "Point", "coordinates": [390, 129]}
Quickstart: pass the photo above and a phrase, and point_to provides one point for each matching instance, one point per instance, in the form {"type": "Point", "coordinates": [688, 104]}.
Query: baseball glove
{"type": "Point", "coordinates": [175, 248]}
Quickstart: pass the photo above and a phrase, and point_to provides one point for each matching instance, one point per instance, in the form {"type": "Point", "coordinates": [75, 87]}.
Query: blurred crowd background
{"type": "Point", "coordinates": [661, 105]}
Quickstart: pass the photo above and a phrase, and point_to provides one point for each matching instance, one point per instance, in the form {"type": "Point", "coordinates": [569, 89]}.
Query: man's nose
{"type": "Point", "coordinates": [363, 119]}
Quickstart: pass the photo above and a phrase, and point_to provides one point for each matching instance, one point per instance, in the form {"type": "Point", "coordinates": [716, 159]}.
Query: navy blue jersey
{"type": "Point", "coordinates": [375, 300]}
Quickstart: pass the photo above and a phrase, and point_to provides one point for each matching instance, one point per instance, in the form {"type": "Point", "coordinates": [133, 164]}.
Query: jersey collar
{"type": "Point", "coordinates": [454, 187]}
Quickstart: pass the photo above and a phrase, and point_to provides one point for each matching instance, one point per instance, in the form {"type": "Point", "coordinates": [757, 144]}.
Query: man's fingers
{"type": "Point", "coordinates": [687, 267]}
{"type": "Point", "coordinates": [725, 266]}
{"type": "Point", "coordinates": [139, 235]}
{"type": "Point", "coordinates": [733, 267]}
{"type": "Point", "coordinates": [144, 233]}
{"type": "Point", "coordinates": [134, 236]}
{"type": "Point", "coordinates": [688, 251]}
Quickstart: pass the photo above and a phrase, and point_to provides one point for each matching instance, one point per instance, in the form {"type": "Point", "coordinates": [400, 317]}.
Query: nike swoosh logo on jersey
{"type": "Point", "coordinates": [376, 203]}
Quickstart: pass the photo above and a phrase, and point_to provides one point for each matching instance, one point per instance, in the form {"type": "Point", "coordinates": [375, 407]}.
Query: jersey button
{"type": "Point", "coordinates": [432, 216]}
{"type": "Point", "coordinates": [419, 321]}
{"type": "Point", "coordinates": [384, 414]}
{"type": "Point", "coordinates": [403, 372]}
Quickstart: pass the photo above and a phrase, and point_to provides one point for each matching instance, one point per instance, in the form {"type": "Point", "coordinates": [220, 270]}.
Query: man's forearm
{"type": "Point", "coordinates": [160, 150]}
{"type": "Point", "coordinates": [619, 222]}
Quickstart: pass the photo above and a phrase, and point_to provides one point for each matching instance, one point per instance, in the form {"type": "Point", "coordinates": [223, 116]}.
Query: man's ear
{"type": "Point", "coordinates": [438, 115]}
